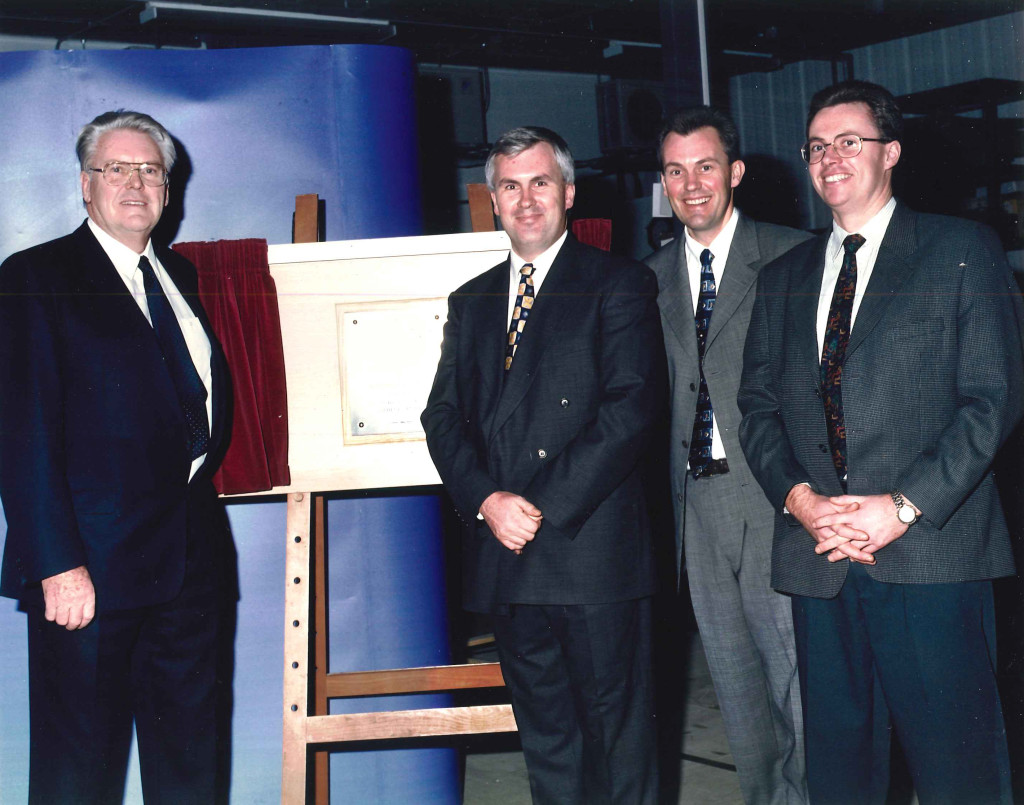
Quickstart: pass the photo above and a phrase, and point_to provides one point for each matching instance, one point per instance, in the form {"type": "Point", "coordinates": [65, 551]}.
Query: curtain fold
{"type": "Point", "coordinates": [595, 232]}
{"type": "Point", "coordinates": [240, 298]}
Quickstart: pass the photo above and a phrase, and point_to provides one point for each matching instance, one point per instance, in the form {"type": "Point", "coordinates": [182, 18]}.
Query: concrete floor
{"type": "Point", "coordinates": [496, 772]}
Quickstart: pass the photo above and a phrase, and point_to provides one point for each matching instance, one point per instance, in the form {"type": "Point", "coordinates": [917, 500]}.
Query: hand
{"type": "Point", "coordinates": [511, 518]}
{"type": "Point", "coordinates": [70, 598]}
{"type": "Point", "coordinates": [873, 515]}
{"type": "Point", "coordinates": [809, 508]}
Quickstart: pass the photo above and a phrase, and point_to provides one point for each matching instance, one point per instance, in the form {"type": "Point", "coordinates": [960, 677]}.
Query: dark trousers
{"type": "Point", "coordinates": [580, 681]}
{"type": "Point", "coordinates": [918, 656]}
{"type": "Point", "coordinates": [156, 666]}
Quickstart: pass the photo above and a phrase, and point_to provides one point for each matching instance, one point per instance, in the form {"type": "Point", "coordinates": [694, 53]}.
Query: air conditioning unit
{"type": "Point", "coordinates": [630, 114]}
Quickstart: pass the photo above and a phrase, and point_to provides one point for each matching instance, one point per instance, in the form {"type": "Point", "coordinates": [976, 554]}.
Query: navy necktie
{"type": "Point", "coordinates": [521, 312]}
{"type": "Point", "coordinates": [833, 353]}
{"type": "Point", "coordinates": [700, 441]}
{"type": "Point", "coordinates": [188, 384]}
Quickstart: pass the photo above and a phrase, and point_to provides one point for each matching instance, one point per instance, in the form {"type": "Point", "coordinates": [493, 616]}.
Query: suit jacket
{"type": "Point", "coordinates": [932, 385]}
{"type": "Point", "coordinates": [566, 428]}
{"type": "Point", "coordinates": [753, 245]}
{"type": "Point", "coordinates": [93, 453]}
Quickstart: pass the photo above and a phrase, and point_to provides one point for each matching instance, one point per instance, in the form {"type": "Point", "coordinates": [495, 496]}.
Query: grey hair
{"type": "Point", "coordinates": [514, 142]}
{"type": "Point", "coordinates": [90, 135]}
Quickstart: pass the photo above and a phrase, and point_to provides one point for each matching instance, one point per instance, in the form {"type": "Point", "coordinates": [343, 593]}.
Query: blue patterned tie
{"type": "Point", "coordinates": [524, 304]}
{"type": "Point", "coordinates": [188, 384]}
{"type": "Point", "coordinates": [833, 353]}
{"type": "Point", "coordinates": [700, 441]}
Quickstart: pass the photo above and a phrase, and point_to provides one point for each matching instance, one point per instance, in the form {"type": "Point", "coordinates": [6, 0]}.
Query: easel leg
{"type": "Point", "coordinates": [296, 650]}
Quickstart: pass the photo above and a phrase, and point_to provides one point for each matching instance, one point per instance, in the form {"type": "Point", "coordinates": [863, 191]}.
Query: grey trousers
{"type": "Point", "coordinates": [747, 631]}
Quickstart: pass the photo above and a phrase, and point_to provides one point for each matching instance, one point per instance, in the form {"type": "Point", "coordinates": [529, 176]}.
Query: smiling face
{"type": "Point", "coordinates": [855, 188]}
{"type": "Point", "coordinates": [531, 199]}
{"type": "Point", "coordinates": [698, 181]}
{"type": "Point", "coordinates": [128, 213]}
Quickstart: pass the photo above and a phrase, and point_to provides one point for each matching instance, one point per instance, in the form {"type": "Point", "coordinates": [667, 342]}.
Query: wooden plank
{"type": "Point", "coordinates": [321, 760]}
{"type": "Point", "coordinates": [481, 212]}
{"type": "Point", "coordinates": [296, 650]}
{"type": "Point", "coordinates": [410, 724]}
{"type": "Point", "coordinates": [307, 211]}
{"type": "Point", "coordinates": [414, 680]}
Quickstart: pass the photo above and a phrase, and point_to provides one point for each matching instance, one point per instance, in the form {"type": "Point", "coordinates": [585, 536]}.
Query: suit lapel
{"type": "Point", "coordinates": [491, 336]}
{"type": "Point", "coordinates": [737, 277]}
{"type": "Point", "coordinates": [676, 301]}
{"type": "Point", "coordinates": [806, 289]}
{"type": "Point", "coordinates": [559, 296]}
{"type": "Point", "coordinates": [889, 274]}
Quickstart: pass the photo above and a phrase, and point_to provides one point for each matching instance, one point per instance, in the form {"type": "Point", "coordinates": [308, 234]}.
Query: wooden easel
{"type": "Point", "coordinates": [306, 719]}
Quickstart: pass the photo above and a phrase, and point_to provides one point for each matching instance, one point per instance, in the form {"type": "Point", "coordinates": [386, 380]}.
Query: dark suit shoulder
{"type": "Point", "coordinates": [43, 264]}
{"type": "Point", "coordinates": [774, 240]}
{"type": "Point", "coordinates": [665, 259]}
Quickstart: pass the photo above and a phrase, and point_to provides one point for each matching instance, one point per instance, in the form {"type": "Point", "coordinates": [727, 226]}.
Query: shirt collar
{"type": "Point", "coordinates": [541, 262]}
{"type": "Point", "coordinates": [125, 260]}
{"type": "Point", "coordinates": [719, 246]}
{"type": "Point", "coordinates": [872, 232]}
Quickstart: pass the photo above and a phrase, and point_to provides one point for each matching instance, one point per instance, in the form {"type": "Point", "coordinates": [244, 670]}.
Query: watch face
{"type": "Point", "coordinates": [906, 514]}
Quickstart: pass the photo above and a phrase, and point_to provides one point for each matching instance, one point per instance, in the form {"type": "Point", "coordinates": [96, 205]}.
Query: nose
{"type": "Point", "coordinates": [526, 197]}
{"type": "Point", "coordinates": [829, 155]}
{"type": "Point", "coordinates": [690, 181]}
{"type": "Point", "coordinates": [134, 178]}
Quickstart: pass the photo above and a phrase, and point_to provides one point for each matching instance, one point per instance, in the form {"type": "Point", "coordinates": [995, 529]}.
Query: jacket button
{"type": "Point", "coordinates": [564, 403]}
{"type": "Point", "coordinates": [693, 387]}
{"type": "Point", "coordinates": [542, 453]}
{"type": "Point", "coordinates": [822, 448]}
{"type": "Point", "coordinates": [686, 443]}
{"type": "Point", "coordinates": [817, 393]}
{"type": "Point", "coordinates": [679, 497]}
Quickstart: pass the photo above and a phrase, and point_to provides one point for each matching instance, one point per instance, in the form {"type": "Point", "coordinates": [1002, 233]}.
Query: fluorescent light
{"type": "Point", "coordinates": [164, 9]}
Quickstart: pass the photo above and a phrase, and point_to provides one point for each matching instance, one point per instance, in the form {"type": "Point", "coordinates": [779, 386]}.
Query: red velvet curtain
{"type": "Point", "coordinates": [594, 232]}
{"type": "Point", "coordinates": [240, 298]}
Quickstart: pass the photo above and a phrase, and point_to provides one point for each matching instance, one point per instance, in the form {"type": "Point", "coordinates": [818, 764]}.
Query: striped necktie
{"type": "Point", "coordinates": [700, 441]}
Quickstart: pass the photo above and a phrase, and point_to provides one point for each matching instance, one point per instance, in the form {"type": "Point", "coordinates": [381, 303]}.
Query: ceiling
{"type": "Point", "coordinates": [743, 35]}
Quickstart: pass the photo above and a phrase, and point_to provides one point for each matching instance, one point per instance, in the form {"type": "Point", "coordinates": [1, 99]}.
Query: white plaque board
{"type": "Point", "coordinates": [332, 371]}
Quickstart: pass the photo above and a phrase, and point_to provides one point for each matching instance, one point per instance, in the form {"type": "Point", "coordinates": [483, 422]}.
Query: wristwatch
{"type": "Point", "coordinates": [905, 512]}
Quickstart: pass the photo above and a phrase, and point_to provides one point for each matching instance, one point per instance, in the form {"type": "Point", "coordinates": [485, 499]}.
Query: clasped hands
{"type": "Point", "coordinates": [512, 519]}
{"type": "Point", "coordinates": [853, 527]}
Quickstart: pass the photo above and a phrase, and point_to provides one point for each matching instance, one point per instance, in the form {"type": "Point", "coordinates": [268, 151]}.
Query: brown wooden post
{"type": "Point", "coordinates": [481, 213]}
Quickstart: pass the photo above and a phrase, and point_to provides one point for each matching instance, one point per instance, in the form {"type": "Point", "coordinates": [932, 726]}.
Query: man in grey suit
{"type": "Point", "coordinates": [882, 372]}
{"type": "Point", "coordinates": [723, 520]}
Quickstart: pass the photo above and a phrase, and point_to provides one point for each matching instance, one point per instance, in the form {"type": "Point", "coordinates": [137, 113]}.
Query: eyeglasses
{"type": "Point", "coordinates": [845, 146]}
{"type": "Point", "coordinates": [118, 174]}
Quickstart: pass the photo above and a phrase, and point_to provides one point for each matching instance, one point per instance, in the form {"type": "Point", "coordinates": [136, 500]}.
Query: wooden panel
{"type": "Point", "coordinates": [415, 680]}
{"type": "Point", "coordinates": [307, 210]}
{"type": "Point", "coordinates": [481, 212]}
{"type": "Point", "coordinates": [410, 724]}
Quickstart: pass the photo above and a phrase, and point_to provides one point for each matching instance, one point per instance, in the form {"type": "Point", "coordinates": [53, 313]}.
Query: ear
{"type": "Point", "coordinates": [167, 193]}
{"type": "Point", "coordinates": [570, 195]}
{"type": "Point", "coordinates": [664, 185]}
{"type": "Point", "coordinates": [86, 189]}
{"type": "Point", "coordinates": [494, 203]}
{"type": "Point", "coordinates": [892, 153]}
{"type": "Point", "coordinates": [736, 171]}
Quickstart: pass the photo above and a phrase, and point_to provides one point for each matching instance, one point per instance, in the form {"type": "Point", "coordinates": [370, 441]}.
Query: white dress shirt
{"type": "Point", "coordinates": [872, 232]}
{"type": "Point", "coordinates": [126, 261]}
{"type": "Point", "coordinates": [720, 254]}
{"type": "Point", "coordinates": [541, 266]}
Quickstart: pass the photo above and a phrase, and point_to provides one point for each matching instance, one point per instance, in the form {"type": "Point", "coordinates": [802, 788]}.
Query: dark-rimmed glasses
{"type": "Point", "coordinates": [118, 174]}
{"type": "Point", "coordinates": [845, 146]}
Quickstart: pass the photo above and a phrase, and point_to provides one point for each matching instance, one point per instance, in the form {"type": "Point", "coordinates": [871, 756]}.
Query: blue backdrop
{"type": "Point", "coordinates": [257, 127]}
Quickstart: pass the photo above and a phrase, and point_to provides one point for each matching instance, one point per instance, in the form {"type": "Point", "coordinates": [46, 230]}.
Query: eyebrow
{"type": "Point", "coordinates": [510, 180]}
{"type": "Point", "coordinates": [840, 134]}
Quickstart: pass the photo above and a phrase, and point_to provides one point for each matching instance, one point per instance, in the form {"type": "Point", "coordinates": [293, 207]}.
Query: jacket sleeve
{"type": "Point", "coordinates": [762, 433]}
{"type": "Point", "coordinates": [42, 529]}
{"type": "Point", "coordinates": [989, 385]}
{"type": "Point", "coordinates": [460, 463]}
{"type": "Point", "coordinates": [632, 387]}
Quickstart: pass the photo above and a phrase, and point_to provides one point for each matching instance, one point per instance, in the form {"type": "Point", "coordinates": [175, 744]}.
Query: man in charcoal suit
{"type": "Point", "coordinates": [550, 380]}
{"type": "Point", "coordinates": [113, 418]}
{"type": "Point", "coordinates": [723, 521]}
{"type": "Point", "coordinates": [882, 372]}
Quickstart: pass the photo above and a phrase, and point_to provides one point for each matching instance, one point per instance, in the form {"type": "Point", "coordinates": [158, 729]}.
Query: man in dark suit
{"type": "Point", "coordinates": [882, 372]}
{"type": "Point", "coordinates": [723, 520]}
{"type": "Point", "coordinates": [550, 380]}
{"type": "Point", "coordinates": [113, 417]}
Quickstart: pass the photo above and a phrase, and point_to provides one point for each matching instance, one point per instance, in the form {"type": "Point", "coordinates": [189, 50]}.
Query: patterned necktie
{"type": "Point", "coordinates": [833, 352]}
{"type": "Point", "coordinates": [188, 384]}
{"type": "Point", "coordinates": [524, 303]}
{"type": "Point", "coordinates": [700, 441]}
